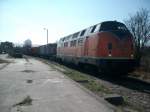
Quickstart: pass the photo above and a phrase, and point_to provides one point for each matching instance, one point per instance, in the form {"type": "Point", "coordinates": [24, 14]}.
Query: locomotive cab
{"type": "Point", "coordinates": [115, 47]}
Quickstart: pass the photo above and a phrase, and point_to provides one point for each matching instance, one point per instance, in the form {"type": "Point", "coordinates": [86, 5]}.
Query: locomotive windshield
{"type": "Point", "coordinates": [115, 27]}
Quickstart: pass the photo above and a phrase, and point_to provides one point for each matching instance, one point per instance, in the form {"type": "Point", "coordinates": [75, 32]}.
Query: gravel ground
{"type": "Point", "coordinates": [133, 98]}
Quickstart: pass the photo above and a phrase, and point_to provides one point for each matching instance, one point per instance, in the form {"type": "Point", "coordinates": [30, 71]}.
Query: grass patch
{"type": "Point", "coordinates": [96, 87]}
{"type": "Point", "coordinates": [86, 80]}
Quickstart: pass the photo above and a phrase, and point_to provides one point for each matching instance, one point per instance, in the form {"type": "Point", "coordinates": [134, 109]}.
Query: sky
{"type": "Point", "coordinates": [26, 19]}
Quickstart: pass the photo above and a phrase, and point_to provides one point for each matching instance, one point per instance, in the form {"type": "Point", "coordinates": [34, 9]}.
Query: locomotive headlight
{"type": "Point", "coordinates": [132, 55]}
{"type": "Point", "coordinates": [110, 55]}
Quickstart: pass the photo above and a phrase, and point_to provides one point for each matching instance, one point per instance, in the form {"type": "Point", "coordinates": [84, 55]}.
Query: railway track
{"type": "Point", "coordinates": [127, 81]}
{"type": "Point", "coordinates": [137, 84]}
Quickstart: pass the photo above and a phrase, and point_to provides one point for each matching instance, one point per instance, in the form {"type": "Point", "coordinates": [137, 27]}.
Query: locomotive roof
{"type": "Point", "coordinates": [79, 32]}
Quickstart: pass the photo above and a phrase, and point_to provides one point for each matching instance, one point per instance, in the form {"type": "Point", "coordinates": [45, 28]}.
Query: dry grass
{"type": "Point", "coordinates": [143, 72]}
{"type": "Point", "coordinates": [84, 79]}
{"type": "Point", "coordinates": [145, 63]}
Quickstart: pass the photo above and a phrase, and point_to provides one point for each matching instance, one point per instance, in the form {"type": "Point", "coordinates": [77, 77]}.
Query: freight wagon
{"type": "Point", "coordinates": [45, 51]}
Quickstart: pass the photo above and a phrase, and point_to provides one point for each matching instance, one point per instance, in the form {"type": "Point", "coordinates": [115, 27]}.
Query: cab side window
{"type": "Point", "coordinates": [82, 33]}
{"type": "Point", "coordinates": [93, 28]}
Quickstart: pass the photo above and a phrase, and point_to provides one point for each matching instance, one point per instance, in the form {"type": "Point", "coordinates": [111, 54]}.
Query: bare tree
{"type": "Point", "coordinates": [27, 43]}
{"type": "Point", "coordinates": [139, 25]}
{"type": "Point", "coordinates": [6, 47]}
{"type": "Point", "coordinates": [27, 46]}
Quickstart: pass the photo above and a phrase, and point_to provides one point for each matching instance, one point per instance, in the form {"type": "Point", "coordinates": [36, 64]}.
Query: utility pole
{"type": "Point", "coordinates": [46, 33]}
{"type": "Point", "coordinates": [47, 40]}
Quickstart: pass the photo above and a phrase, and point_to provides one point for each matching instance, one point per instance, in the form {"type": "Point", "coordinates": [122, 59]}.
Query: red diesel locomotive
{"type": "Point", "coordinates": [107, 45]}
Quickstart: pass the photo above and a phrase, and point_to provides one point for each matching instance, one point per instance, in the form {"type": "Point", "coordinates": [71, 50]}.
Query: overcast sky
{"type": "Point", "coordinates": [23, 19]}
